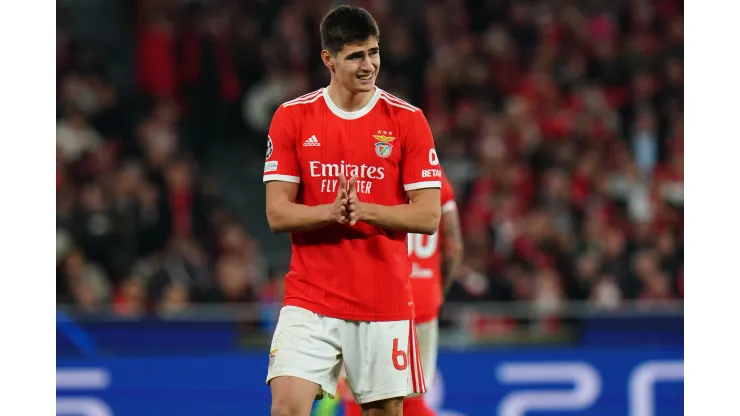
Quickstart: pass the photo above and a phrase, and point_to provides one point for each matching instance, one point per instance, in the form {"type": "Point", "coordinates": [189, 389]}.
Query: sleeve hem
{"type": "Point", "coordinates": [281, 178]}
{"type": "Point", "coordinates": [449, 206]}
{"type": "Point", "coordinates": [422, 185]}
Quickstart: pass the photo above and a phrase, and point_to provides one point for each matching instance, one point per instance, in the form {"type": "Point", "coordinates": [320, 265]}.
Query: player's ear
{"type": "Point", "coordinates": [328, 59]}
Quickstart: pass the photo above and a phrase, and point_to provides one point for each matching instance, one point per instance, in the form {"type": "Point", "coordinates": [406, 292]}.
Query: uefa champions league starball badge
{"type": "Point", "coordinates": [269, 148]}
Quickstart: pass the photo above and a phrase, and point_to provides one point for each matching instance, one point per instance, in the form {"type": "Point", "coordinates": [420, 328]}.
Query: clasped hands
{"type": "Point", "coordinates": [347, 209]}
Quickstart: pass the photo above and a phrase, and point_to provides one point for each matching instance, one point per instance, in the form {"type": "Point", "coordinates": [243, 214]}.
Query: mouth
{"type": "Point", "coordinates": [367, 77]}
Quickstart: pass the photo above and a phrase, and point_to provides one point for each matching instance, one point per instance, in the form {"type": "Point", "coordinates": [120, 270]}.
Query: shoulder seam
{"type": "Point", "coordinates": [303, 99]}
{"type": "Point", "coordinates": [395, 104]}
{"type": "Point", "coordinates": [395, 100]}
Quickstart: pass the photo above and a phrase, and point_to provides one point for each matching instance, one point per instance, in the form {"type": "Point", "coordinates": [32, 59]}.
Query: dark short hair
{"type": "Point", "coordinates": [347, 24]}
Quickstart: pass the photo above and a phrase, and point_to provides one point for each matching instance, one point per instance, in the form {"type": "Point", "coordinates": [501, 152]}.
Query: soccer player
{"type": "Point", "coordinates": [434, 261]}
{"type": "Point", "coordinates": [350, 171]}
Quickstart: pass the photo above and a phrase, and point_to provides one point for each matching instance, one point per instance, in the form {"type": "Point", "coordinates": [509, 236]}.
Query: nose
{"type": "Point", "coordinates": [367, 65]}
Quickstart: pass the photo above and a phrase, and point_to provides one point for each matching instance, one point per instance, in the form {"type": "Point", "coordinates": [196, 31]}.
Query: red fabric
{"type": "Point", "coordinates": [617, 96]}
{"type": "Point", "coordinates": [493, 325]}
{"type": "Point", "coordinates": [550, 324]}
{"type": "Point", "coordinates": [60, 178]}
{"type": "Point", "coordinates": [425, 257]}
{"type": "Point", "coordinates": [270, 292]}
{"type": "Point", "coordinates": [557, 125]}
{"type": "Point", "coordinates": [505, 74]}
{"type": "Point", "coordinates": [675, 145]}
{"type": "Point", "coordinates": [190, 62]}
{"type": "Point", "coordinates": [580, 191]}
{"type": "Point", "coordinates": [351, 408]}
{"type": "Point", "coordinates": [668, 172]}
{"type": "Point", "coordinates": [667, 9]}
{"type": "Point", "coordinates": [124, 306]}
{"type": "Point", "coordinates": [526, 249]}
{"type": "Point", "coordinates": [544, 95]}
{"type": "Point", "coordinates": [227, 70]}
{"type": "Point", "coordinates": [524, 187]}
{"type": "Point", "coordinates": [479, 212]}
{"type": "Point", "coordinates": [358, 272]}
{"type": "Point", "coordinates": [551, 32]}
{"type": "Point", "coordinates": [600, 28]}
{"type": "Point", "coordinates": [189, 72]}
{"type": "Point", "coordinates": [156, 62]}
{"type": "Point", "coordinates": [182, 211]}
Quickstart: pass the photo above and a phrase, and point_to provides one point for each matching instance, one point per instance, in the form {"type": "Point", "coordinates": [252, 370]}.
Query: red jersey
{"type": "Point", "coordinates": [361, 272]}
{"type": "Point", "coordinates": [426, 274]}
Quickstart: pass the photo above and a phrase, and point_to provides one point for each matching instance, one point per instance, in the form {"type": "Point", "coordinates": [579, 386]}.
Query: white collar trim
{"type": "Point", "coordinates": [351, 115]}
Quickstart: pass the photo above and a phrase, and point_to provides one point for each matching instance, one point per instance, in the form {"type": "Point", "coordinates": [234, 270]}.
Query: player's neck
{"type": "Point", "coordinates": [347, 100]}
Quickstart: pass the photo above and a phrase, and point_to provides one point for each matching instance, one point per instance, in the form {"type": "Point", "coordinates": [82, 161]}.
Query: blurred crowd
{"type": "Point", "coordinates": [141, 227]}
{"type": "Point", "coordinates": [560, 123]}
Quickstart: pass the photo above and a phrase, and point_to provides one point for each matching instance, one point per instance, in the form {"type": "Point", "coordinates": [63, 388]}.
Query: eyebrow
{"type": "Point", "coordinates": [360, 53]}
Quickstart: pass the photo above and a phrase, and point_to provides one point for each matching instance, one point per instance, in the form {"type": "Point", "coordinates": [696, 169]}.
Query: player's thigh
{"type": "Point", "coordinates": [428, 336]}
{"type": "Point", "coordinates": [303, 356]}
{"type": "Point", "coordinates": [381, 360]}
{"type": "Point", "coordinates": [386, 407]}
{"type": "Point", "coordinates": [292, 396]}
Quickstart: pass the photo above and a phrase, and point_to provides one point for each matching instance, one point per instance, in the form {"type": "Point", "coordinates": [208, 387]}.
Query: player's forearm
{"type": "Point", "coordinates": [451, 259]}
{"type": "Point", "coordinates": [411, 218]}
{"type": "Point", "coordinates": [451, 248]}
{"type": "Point", "coordinates": [288, 217]}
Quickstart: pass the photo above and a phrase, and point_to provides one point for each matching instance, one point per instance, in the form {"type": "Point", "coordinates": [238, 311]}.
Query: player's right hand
{"type": "Point", "coordinates": [339, 207]}
{"type": "Point", "coordinates": [354, 207]}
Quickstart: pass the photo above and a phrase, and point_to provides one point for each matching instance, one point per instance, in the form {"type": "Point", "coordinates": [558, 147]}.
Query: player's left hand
{"type": "Point", "coordinates": [354, 206]}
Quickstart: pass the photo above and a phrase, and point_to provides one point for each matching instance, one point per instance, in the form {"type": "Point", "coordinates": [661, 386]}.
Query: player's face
{"type": "Point", "coordinates": [356, 66]}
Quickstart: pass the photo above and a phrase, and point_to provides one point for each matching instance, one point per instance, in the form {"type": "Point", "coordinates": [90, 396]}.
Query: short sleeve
{"type": "Point", "coordinates": [281, 159]}
{"type": "Point", "coordinates": [447, 196]}
{"type": "Point", "coordinates": [419, 165]}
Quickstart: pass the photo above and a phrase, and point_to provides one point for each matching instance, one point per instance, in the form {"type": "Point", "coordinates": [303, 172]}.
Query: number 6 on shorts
{"type": "Point", "coordinates": [399, 353]}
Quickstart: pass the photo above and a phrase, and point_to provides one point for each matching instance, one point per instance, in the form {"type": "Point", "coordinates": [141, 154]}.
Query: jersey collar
{"type": "Point", "coordinates": [351, 115]}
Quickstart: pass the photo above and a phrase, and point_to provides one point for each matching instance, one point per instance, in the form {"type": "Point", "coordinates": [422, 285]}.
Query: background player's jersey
{"type": "Point", "coordinates": [426, 274]}
{"type": "Point", "coordinates": [360, 272]}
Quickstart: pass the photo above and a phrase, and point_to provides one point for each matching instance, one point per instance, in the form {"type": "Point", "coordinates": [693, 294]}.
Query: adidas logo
{"type": "Point", "coordinates": [312, 141]}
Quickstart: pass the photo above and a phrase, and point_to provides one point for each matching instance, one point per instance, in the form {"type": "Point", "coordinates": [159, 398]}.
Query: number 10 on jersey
{"type": "Point", "coordinates": [423, 246]}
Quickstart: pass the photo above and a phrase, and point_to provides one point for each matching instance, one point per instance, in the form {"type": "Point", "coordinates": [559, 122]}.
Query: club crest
{"type": "Point", "coordinates": [383, 147]}
{"type": "Point", "coordinates": [271, 361]}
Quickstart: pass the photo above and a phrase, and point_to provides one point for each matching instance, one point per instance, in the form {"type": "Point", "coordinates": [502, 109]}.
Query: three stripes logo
{"type": "Point", "coordinates": [312, 141]}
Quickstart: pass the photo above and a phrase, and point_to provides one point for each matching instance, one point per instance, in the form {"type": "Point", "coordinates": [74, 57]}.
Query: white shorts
{"type": "Point", "coordinates": [381, 359]}
{"type": "Point", "coordinates": [428, 335]}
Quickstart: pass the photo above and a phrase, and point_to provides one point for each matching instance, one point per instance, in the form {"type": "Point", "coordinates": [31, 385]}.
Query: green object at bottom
{"type": "Point", "coordinates": [327, 407]}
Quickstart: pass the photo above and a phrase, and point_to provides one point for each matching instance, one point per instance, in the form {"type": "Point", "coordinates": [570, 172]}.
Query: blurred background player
{"type": "Point", "coordinates": [435, 259]}
{"type": "Point", "coordinates": [347, 295]}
